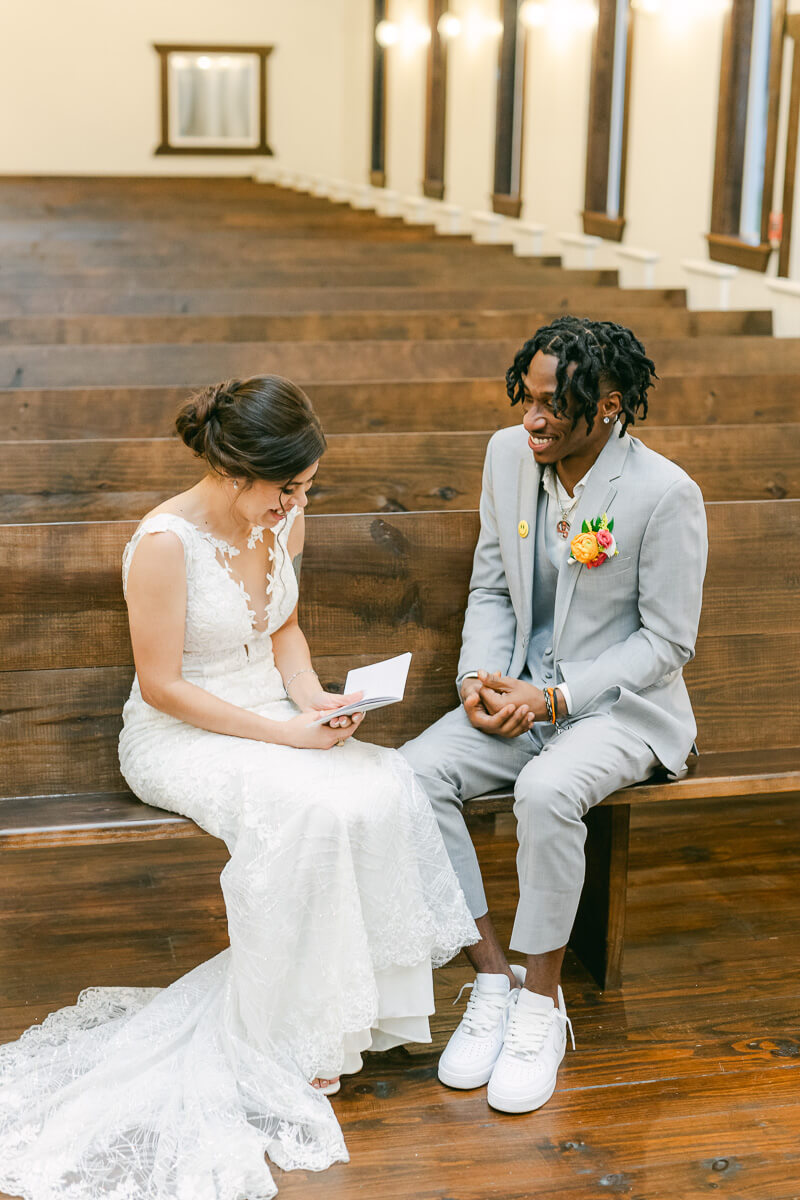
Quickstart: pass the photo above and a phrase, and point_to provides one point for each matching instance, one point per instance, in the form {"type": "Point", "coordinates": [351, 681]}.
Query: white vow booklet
{"type": "Point", "coordinates": [382, 683]}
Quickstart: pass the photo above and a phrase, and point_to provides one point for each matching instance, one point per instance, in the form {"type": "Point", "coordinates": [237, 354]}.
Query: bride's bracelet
{"type": "Point", "coordinates": [302, 671]}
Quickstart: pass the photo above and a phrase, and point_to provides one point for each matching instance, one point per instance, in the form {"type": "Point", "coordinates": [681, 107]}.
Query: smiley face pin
{"type": "Point", "coordinates": [522, 529]}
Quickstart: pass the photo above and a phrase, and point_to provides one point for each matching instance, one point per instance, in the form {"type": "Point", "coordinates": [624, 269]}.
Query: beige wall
{"type": "Point", "coordinates": [79, 85]}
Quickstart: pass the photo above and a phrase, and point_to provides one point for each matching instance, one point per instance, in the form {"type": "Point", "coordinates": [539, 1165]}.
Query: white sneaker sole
{"type": "Point", "coordinates": [519, 1104]}
{"type": "Point", "coordinates": [464, 1082]}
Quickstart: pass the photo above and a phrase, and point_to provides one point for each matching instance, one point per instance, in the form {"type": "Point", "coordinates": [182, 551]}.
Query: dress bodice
{"type": "Point", "coordinates": [220, 617]}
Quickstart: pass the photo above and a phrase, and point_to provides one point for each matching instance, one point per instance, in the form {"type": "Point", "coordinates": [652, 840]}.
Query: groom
{"type": "Point", "coordinates": [583, 609]}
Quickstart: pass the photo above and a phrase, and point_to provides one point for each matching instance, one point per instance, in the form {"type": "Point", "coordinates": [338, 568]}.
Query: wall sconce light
{"type": "Point", "coordinates": [409, 34]}
{"type": "Point", "coordinates": [682, 10]}
{"type": "Point", "coordinates": [533, 14]}
{"type": "Point", "coordinates": [561, 16]}
{"type": "Point", "coordinates": [387, 33]}
{"type": "Point", "coordinates": [449, 25]}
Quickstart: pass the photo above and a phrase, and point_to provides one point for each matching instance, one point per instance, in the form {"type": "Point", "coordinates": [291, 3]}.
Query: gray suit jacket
{"type": "Point", "coordinates": [624, 630]}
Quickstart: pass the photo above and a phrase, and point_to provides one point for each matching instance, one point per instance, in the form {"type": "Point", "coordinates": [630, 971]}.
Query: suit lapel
{"type": "Point", "coordinates": [527, 503]}
{"type": "Point", "coordinates": [597, 497]}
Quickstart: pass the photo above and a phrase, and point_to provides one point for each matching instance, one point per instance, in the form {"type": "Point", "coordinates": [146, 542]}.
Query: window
{"type": "Point", "coordinates": [792, 135]}
{"type": "Point", "coordinates": [506, 198]}
{"type": "Point", "coordinates": [607, 138]}
{"type": "Point", "coordinates": [436, 101]}
{"type": "Point", "coordinates": [213, 99]}
{"type": "Point", "coordinates": [747, 128]}
{"type": "Point", "coordinates": [377, 163]}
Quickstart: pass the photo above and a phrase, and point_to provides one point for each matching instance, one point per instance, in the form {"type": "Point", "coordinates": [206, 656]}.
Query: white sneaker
{"type": "Point", "coordinates": [472, 1051]}
{"type": "Point", "coordinates": [524, 1077]}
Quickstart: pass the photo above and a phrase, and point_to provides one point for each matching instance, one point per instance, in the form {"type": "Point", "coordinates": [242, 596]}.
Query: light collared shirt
{"type": "Point", "coordinates": [560, 507]}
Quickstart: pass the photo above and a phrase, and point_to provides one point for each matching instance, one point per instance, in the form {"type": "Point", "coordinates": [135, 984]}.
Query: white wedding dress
{"type": "Point", "coordinates": [340, 898]}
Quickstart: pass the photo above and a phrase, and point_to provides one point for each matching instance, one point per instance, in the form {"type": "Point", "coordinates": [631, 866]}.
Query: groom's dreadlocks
{"type": "Point", "coordinates": [605, 356]}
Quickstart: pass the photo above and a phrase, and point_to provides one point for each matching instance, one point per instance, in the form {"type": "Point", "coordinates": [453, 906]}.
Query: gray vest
{"type": "Point", "coordinates": [539, 665]}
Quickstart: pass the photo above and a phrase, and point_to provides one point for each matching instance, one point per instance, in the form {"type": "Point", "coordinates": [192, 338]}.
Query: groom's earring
{"type": "Point", "coordinates": [236, 481]}
{"type": "Point", "coordinates": [606, 421]}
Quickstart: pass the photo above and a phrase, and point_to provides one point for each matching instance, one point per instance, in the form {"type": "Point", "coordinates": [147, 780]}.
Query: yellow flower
{"type": "Point", "coordinates": [584, 547]}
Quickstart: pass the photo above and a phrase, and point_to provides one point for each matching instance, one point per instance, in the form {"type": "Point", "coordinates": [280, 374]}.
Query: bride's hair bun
{"type": "Point", "coordinates": [259, 428]}
{"type": "Point", "coordinates": [198, 420]}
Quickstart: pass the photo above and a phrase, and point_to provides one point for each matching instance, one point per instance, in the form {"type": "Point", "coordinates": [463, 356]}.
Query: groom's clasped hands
{"type": "Point", "coordinates": [500, 705]}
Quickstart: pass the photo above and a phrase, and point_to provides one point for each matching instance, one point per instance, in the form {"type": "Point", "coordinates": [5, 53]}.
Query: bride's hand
{"type": "Point", "coordinates": [325, 701]}
{"type": "Point", "coordinates": [300, 733]}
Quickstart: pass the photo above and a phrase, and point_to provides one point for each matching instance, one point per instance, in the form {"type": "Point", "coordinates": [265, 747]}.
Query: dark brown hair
{"type": "Point", "coordinates": [260, 428]}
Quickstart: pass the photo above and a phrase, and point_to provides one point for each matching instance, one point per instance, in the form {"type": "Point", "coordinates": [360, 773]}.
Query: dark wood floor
{"type": "Point", "coordinates": [684, 1085]}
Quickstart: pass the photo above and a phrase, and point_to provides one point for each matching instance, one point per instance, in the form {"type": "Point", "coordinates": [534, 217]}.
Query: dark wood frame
{"type": "Point", "coordinates": [377, 164]}
{"type": "Point", "coordinates": [724, 243]}
{"type": "Point", "coordinates": [792, 29]}
{"type": "Point", "coordinates": [596, 219]}
{"type": "Point", "coordinates": [435, 104]}
{"type": "Point", "coordinates": [510, 90]}
{"type": "Point", "coordinates": [164, 51]}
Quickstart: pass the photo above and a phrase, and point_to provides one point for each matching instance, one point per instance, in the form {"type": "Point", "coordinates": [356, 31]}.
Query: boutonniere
{"type": "Point", "coordinates": [595, 543]}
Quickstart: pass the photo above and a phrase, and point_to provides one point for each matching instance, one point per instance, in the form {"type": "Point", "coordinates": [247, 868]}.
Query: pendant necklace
{"type": "Point", "coordinates": [563, 526]}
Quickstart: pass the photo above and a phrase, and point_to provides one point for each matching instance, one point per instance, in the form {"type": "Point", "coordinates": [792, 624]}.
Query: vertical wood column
{"type": "Point", "coordinates": [377, 171]}
{"type": "Point", "coordinates": [506, 198]}
{"type": "Point", "coordinates": [436, 105]}
{"type": "Point", "coordinates": [792, 135]}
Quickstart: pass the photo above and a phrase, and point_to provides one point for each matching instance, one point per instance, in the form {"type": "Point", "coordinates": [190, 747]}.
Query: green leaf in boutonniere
{"type": "Point", "coordinates": [611, 525]}
{"type": "Point", "coordinates": [585, 527]}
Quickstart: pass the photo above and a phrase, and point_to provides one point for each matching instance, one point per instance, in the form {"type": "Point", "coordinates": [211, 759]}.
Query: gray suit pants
{"type": "Point", "coordinates": [557, 778]}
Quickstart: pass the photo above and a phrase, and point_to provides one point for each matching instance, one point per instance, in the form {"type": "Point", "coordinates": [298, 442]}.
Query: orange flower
{"type": "Point", "coordinates": [584, 547]}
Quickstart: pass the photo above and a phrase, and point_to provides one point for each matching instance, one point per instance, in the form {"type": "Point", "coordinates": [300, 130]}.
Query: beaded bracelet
{"type": "Point", "coordinates": [548, 703]}
{"type": "Point", "coordinates": [302, 671]}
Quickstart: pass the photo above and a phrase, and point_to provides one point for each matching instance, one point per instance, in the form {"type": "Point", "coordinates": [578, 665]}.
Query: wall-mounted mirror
{"type": "Point", "coordinates": [213, 99]}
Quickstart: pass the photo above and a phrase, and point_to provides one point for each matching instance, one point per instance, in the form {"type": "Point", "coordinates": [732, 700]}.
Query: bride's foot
{"type": "Point", "coordinates": [328, 1087]}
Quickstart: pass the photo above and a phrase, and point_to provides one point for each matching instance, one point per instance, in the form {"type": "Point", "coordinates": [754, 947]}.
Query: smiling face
{"type": "Point", "coordinates": [266, 503]}
{"type": "Point", "coordinates": [551, 436]}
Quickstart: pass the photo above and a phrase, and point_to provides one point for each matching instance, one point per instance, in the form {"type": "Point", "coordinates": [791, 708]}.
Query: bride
{"type": "Point", "coordinates": [339, 894]}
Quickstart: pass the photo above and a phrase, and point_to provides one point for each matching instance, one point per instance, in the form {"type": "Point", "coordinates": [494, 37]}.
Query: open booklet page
{"type": "Point", "coordinates": [382, 683]}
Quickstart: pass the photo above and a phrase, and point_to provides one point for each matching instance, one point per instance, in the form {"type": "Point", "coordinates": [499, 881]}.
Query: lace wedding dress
{"type": "Point", "coordinates": [339, 897]}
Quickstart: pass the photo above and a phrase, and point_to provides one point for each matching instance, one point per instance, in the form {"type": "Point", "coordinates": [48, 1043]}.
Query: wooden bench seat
{"type": "Point", "coordinates": [67, 670]}
{"type": "Point", "coordinates": [113, 480]}
{"type": "Point", "coordinates": [353, 361]}
{"type": "Point", "coordinates": [404, 406]}
{"type": "Point", "coordinates": [357, 325]}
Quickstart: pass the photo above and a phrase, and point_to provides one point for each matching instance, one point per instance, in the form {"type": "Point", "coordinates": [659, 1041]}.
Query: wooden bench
{"type": "Point", "coordinates": [567, 296]}
{"type": "Point", "coordinates": [113, 480]}
{"type": "Point", "coordinates": [381, 585]}
{"type": "Point", "coordinates": [356, 325]}
{"type": "Point", "coordinates": [355, 361]}
{"type": "Point", "coordinates": [404, 406]}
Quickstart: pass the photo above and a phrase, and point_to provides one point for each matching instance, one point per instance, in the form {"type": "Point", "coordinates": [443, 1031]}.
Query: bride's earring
{"type": "Point", "coordinates": [236, 481]}
{"type": "Point", "coordinates": [606, 421]}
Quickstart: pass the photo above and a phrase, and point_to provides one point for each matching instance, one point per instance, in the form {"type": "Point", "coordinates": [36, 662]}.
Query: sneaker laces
{"type": "Point", "coordinates": [528, 1030]}
{"type": "Point", "coordinates": [485, 1010]}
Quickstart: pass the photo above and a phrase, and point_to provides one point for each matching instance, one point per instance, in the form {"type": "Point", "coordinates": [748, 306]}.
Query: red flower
{"type": "Point", "coordinates": [601, 558]}
{"type": "Point", "coordinates": [604, 538]}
